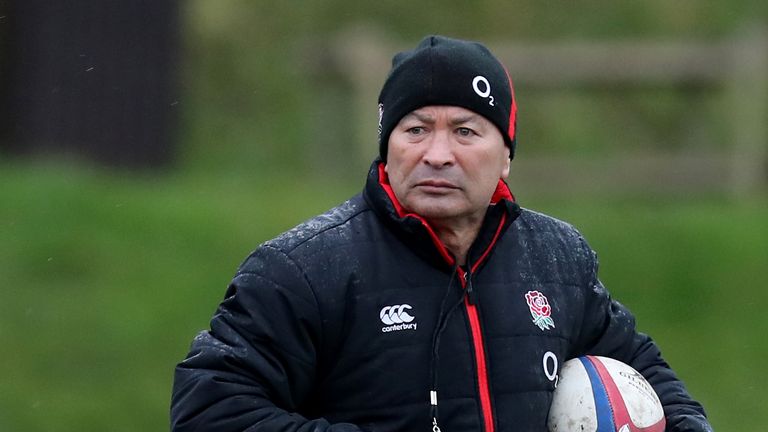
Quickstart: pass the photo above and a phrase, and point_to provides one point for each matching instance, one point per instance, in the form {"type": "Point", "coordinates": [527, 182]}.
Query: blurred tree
{"type": "Point", "coordinates": [92, 78]}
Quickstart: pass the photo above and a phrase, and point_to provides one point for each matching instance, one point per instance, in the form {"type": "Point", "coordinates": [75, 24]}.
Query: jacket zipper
{"type": "Point", "coordinates": [469, 301]}
{"type": "Point", "coordinates": [477, 341]}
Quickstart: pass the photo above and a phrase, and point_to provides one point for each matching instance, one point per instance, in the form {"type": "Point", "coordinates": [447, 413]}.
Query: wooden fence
{"type": "Point", "coordinates": [736, 67]}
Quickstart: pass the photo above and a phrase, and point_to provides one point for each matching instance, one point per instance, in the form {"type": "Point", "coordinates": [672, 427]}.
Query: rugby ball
{"type": "Point", "coordinates": [600, 394]}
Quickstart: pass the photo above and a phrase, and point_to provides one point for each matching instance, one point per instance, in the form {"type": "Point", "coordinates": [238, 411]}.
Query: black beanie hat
{"type": "Point", "coordinates": [445, 71]}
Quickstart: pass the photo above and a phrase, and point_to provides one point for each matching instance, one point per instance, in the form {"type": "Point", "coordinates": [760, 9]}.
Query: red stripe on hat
{"type": "Point", "coordinates": [620, 413]}
{"type": "Point", "coordinates": [512, 107]}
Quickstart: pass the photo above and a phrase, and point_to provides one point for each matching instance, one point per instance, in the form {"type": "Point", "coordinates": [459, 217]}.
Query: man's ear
{"type": "Point", "coordinates": [507, 163]}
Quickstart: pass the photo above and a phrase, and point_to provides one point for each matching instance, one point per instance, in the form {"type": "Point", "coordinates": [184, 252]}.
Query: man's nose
{"type": "Point", "coordinates": [439, 150]}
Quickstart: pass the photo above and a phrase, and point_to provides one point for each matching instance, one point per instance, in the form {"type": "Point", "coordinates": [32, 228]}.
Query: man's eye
{"type": "Point", "coordinates": [416, 130]}
{"type": "Point", "coordinates": [465, 132]}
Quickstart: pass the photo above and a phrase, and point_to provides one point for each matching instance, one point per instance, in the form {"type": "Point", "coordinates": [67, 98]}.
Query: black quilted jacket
{"type": "Point", "coordinates": [355, 319]}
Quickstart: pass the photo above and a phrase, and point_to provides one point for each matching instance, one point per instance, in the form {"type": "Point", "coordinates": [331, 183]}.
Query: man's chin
{"type": "Point", "coordinates": [435, 211]}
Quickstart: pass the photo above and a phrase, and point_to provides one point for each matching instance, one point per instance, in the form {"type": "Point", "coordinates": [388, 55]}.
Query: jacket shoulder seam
{"type": "Point", "coordinates": [286, 251]}
{"type": "Point", "coordinates": [304, 277]}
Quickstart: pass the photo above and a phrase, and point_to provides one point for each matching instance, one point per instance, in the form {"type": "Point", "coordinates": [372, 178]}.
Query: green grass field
{"type": "Point", "coordinates": [107, 277]}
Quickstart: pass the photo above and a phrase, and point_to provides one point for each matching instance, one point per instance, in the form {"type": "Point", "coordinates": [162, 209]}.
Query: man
{"type": "Point", "coordinates": [418, 293]}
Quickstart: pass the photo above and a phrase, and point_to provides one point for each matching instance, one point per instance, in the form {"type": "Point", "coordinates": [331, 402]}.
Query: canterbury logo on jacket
{"type": "Point", "coordinates": [359, 320]}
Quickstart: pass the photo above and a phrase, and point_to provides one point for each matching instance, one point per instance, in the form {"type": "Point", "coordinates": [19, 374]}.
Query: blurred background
{"type": "Point", "coordinates": [147, 147]}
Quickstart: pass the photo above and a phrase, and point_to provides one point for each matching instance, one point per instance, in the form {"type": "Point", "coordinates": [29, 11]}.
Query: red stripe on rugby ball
{"type": "Point", "coordinates": [620, 413]}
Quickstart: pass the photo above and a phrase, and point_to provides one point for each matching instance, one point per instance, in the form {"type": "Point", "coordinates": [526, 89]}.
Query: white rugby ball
{"type": "Point", "coordinates": [600, 394]}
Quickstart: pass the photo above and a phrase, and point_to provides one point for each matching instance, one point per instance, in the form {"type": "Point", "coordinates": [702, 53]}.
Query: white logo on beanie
{"type": "Point", "coordinates": [481, 81]}
{"type": "Point", "coordinates": [381, 115]}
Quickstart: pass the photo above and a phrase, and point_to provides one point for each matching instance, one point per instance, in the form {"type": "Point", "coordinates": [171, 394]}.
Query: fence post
{"type": "Point", "coordinates": [747, 106]}
{"type": "Point", "coordinates": [364, 54]}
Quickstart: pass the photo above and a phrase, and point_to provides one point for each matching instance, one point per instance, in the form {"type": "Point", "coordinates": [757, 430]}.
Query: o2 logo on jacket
{"type": "Point", "coordinates": [551, 365]}
{"type": "Point", "coordinates": [397, 318]}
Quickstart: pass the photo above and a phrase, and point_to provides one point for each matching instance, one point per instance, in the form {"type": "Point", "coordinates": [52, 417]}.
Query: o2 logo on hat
{"type": "Point", "coordinates": [481, 81]}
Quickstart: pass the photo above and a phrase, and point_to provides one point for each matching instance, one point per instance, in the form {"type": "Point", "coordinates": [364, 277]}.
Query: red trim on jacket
{"type": "Point", "coordinates": [482, 369]}
{"type": "Point", "coordinates": [493, 242]}
{"type": "Point", "coordinates": [384, 182]}
{"type": "Point", "coordinates": [501, 192]}
{"type": "Point", "coordinates": [479, 343]}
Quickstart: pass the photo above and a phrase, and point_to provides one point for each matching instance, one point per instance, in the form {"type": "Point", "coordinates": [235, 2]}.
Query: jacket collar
{"type": "Point", "coordinates": [417, 233]}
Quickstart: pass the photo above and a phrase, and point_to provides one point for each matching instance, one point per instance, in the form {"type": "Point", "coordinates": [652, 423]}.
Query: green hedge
{"type": "Point", "coordinates": [107, 277]}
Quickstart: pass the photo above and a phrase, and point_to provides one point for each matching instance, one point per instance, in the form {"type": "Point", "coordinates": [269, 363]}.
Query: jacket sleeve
{"type": "Point", "coordinates": [610, 331]}
{"type": "Point", "coordinates": [256, 366]}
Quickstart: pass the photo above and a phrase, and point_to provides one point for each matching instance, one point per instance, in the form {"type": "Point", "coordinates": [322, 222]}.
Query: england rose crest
{"type": "Point", "coordinates": [540, 310]}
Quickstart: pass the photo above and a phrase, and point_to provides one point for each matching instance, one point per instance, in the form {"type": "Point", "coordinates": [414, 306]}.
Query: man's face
{"type": "Point", "coordinates": [444, 163]}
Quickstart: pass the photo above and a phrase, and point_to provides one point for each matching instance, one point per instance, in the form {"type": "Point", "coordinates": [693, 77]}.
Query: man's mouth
{"type": "Point", "coordinates": [436, 185]}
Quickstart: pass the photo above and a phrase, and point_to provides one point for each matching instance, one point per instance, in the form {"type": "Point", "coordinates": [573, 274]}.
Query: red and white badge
{"type": "Point", "coordinates": [541, 311]}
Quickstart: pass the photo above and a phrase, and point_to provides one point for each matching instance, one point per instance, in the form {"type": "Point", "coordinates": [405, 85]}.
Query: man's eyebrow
{"type": "Point", "coordinates": [427, 118]}
{"type": "Point", "coordinates": [463, 119]}
{"type": "Point", "coordinates": [422, 117]}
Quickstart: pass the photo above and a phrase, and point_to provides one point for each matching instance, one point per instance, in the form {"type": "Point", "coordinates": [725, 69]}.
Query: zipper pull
{"type": "Point", "coordinates": [433, 402]}
{"type": "Point", "coordinates": [471, 294]}
{"type": "Point", "coordinates": [435, 427]}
